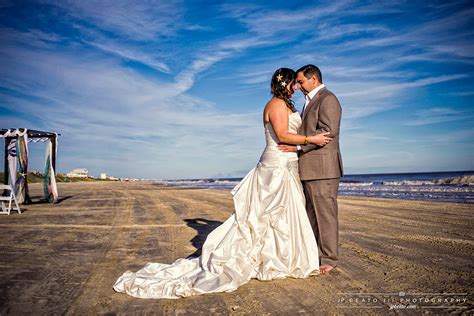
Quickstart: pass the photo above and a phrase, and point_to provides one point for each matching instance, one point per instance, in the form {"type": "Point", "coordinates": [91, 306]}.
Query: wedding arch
{"type": "Point", "coordinates": [16, 161]}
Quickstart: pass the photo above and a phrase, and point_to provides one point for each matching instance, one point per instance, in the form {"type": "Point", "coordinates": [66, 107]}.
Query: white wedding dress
{"type": "Point", "coordinates": [268, 237]}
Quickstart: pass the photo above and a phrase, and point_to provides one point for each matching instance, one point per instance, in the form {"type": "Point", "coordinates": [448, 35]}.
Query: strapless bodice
{"type": "Point", "coordinates": [271, 152]}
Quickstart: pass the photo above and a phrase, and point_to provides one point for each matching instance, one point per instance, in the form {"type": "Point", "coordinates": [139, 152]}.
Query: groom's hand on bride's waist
{"type": "Point", "coordinates": [287, 148]}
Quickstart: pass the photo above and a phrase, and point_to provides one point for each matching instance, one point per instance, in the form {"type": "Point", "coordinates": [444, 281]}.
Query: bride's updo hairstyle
{"type": "Point", "coordinates": [280, 79]}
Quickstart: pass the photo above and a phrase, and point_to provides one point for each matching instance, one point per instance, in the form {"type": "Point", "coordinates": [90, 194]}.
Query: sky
{"type": "Point", "coordinates": [176, 89]}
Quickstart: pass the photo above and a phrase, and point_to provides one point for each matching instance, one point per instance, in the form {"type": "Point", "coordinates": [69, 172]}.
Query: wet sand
{"type": "Point", "coordinates": [64, 258]}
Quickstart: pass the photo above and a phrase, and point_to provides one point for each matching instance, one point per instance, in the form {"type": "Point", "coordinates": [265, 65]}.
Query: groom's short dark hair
{"type": "Point", "coordinates": [311, 70]}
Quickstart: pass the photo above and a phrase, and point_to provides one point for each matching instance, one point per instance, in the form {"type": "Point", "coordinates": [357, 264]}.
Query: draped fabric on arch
{"type": "Point", "coordinates": [49, 184]}
{"type": "Point", "coordinates": [12, 163]}
{"type": "Point", "coordinates": [21, 184]}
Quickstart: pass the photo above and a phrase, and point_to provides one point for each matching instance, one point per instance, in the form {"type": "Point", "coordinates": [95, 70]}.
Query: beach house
{"type": "Point", "coordinates": [78, 173]}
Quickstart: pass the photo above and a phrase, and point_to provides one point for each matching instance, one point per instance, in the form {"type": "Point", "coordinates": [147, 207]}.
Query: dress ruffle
{"type": "Point", "coordinates": [268, 237]}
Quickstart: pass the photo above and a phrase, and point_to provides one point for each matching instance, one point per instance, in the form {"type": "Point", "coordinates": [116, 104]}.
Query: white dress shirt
{"type": "Point", "coordinates": [310, 96]}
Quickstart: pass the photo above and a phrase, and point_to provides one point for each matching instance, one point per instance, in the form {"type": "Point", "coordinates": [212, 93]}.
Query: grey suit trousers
{"type": "Point", "coordinates": [321, 206]}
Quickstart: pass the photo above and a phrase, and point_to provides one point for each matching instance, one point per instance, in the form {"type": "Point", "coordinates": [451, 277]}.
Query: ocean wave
{"type": "Point", "coordinates": [410, 195]}
{"type": "Point", "coordinates": [434, 187]}
{"type": "Point", "coordinates": [226, 182]}
{"type": "Point", "coordinates": [465, 181]}
{"type": "Point", "coordinates": [355, 184]}
{"type": "Point", "coordinates": [412, 188]}
{"type": "Point", "coordinates": [409, 182]}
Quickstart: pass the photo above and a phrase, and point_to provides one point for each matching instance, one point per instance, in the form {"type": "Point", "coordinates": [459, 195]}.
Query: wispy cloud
{"type": "Point", "coordinates": [367, 82]}
{"type": "Point", "coordinates": [455, 136]}
{"type": "Point", "coordinates": [136, 20]}
{"type": "Point", "coordinates": [462, 94]}
{"type": "Point", "coordinates": [438, 115]}
{"type": "Point", "coordinates": [431, 32]}
{"type": "Point", "coordinates": [389, 89]}
{"type": "Point", "coordinates": [32, 38]}
{"type": "Point", "coordinates": [5, 4]}
{"type": "Point", "coordinates": [185, 79]}
{"type": "Point", "coordinates": [83, 104]}
{"type": "Point", "coordinates": [330, 32]}
{"type": "Point", "coordinates": [358, 138]}
{"type": "Point", "coordinates": [269, 22]}
{"type": "Point", "coordinates": [130, 54]}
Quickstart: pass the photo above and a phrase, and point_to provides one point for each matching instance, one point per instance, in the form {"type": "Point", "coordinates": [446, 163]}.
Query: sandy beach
{"type": "Point", "coordinates": [411, 256]}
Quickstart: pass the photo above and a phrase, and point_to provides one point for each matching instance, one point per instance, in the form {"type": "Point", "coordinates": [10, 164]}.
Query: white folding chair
{"type": "Point", "coordinates": [7, 207]}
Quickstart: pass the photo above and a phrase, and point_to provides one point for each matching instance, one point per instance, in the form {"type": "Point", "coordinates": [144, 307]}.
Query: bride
{"type": "Point", "coordinates": [268, 236]}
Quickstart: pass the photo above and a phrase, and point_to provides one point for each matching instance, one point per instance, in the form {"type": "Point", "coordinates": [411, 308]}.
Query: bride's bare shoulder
{"type": "Point", "coordinates": [275, 104]}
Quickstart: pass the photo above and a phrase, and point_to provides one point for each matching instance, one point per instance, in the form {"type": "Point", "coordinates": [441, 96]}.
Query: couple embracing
{"type": "Point", "coordinates": [285, 222]}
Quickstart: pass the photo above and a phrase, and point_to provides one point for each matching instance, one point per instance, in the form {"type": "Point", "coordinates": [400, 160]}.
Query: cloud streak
{"type": "Point", "coordinates": [136, 21]}
{"type": "Point", "coordinates": [438, 115]}
{"type": "Point", "coordinates": [127, 53]}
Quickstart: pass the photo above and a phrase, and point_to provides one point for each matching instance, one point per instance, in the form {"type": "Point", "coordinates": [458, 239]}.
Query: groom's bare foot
{"type": "Point", "coordinates": [325, 268]}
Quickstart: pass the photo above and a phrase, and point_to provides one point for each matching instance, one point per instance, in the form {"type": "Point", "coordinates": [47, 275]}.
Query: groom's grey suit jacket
{"type": "Point", "coordinates": [322, 114]}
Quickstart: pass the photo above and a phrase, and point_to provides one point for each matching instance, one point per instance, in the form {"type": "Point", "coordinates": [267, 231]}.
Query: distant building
{"type": "Point", "coordinates": [78, 173]}
{"type": "Point", "coordinates": [104, 176]}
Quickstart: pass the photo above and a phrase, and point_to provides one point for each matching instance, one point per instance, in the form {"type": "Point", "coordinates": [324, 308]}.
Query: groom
{"type": "Point", "coordinates": [320, 166]}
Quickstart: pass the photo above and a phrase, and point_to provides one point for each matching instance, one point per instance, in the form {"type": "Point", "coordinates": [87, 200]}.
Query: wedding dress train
{"type": "Point", "coordinates": [268, 237]}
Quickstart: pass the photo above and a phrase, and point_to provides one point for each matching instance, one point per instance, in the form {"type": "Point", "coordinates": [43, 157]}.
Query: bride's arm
{"type": "Point", "coordinates": [278, 116]}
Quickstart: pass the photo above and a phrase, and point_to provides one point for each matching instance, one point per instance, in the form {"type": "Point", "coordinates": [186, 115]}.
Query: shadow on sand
{"type": "Point", "coordinates": [203, 227]}
{"type": "Point", "coordinates": [43, 200]}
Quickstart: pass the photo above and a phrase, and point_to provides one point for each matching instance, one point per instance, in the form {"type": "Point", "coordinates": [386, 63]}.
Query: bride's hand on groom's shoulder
{"type": "Point", "coordinates": [320, 139]}
{"type": "Point", "coordinates": [287, 148]}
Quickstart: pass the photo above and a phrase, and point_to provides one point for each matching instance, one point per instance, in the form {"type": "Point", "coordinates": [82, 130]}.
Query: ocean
{"type": "Point", "coordinates": [457, 186]}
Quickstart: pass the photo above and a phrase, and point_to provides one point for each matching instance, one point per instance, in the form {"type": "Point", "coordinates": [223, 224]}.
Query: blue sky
{"type": "Point", "coordinates": [172, 89]}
